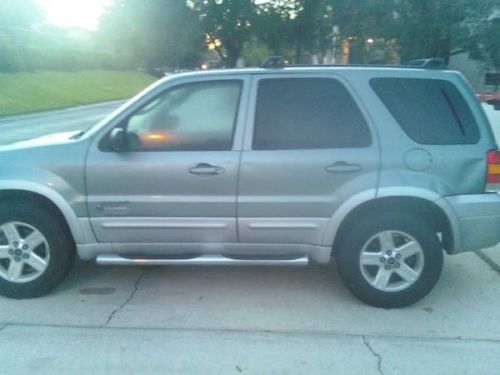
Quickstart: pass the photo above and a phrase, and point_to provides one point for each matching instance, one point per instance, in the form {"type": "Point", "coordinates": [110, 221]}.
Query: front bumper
{"type": "Point", "coordinates": [477, 221]}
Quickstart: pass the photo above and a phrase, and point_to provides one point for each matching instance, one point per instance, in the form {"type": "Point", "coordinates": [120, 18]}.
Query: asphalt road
{"type": "Point", "coordinates": [22, 127]}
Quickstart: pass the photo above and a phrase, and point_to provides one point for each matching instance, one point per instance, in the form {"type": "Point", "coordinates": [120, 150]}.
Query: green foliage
{"type": "Point", "coordinates": [15, 14]}
{"type": "Point", "coordinates": [157, 33]}
{"type": "Point", "coordinates": [272, 26]}
{"type": "Point", "coordinates": [64, 58]}
{"type": "Point", "coordinates": [229, 21]}
{"type": "Point", "coordinates": [484, 45]}
{"type": "Point", "coordinates": [255, 52]}
{"type": "Point", "coordinates": [173, 34]}
{"type": "Point", "coordinates": [15, 17]}
{"type": "Point", "coordinates": [431, 28]}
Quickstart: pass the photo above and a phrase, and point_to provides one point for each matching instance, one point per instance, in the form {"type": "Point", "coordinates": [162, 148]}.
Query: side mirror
{"type": "Point", "coordinates": [118, 140]}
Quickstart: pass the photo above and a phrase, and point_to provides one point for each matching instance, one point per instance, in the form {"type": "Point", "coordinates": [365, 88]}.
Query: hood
{"type": "Point", "coordinates": [46, 140]}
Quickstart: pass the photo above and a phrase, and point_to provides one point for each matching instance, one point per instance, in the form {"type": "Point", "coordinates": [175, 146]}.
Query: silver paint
{"type": "Point", "coordinates": [266, 202]}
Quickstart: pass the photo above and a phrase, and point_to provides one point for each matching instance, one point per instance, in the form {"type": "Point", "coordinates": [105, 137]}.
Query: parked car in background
{"type": "Point", "coordinates": [491, 105]}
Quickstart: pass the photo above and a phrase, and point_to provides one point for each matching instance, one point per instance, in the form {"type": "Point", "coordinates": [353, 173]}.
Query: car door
{"type": "Point", "coordinates": [308, 148]}
{"type": "Point", "coordinates": [176, 180]}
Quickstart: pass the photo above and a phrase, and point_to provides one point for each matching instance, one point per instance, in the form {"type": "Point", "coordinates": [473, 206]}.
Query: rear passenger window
{"type": "Point", "coordinates": [307, 113]}
{"type": "Point", "coordinates": [430, 111]}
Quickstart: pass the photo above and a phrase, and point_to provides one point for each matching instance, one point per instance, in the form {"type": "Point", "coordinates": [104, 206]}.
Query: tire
{"type": "Point", "coordinates": [36, 250]}
{"type": "Point", "coordinates": [396, 280]}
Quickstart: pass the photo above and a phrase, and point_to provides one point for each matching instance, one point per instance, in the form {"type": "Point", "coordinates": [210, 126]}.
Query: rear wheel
{"type": "Point", "coordinates": [36, 251]}
{"type": "Point", "coordinates": [390, 260]}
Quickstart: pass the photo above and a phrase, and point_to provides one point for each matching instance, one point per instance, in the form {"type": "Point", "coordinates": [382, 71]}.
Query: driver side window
{"type": "Point", "coordinates": [190, 117]}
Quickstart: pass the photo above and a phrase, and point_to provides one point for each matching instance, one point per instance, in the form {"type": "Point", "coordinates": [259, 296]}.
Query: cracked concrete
{"type": "Point", "coordinates": [111, 350]}
{"type": "Point", "coordinates": [488, 260]}
{"type": "Point", "coordinates": [253, 320]}
{"type": "Point", "coordinates": [375, 354]}
{"type": "Point", "coordinates": [127, 301]}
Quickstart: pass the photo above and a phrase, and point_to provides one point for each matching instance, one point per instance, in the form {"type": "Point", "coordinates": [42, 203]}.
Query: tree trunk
{"type": "Point", "coordinates": [233, 53]}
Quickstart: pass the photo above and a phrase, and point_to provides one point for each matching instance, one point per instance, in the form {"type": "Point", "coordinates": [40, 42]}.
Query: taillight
{"type": "Point", "coordinates": [493, 173]}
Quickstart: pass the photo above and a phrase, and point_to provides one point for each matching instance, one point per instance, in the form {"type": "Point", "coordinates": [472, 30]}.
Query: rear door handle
{"type": "Point", "coordinates": [343, 167]}
{"type": "Point", "coordinates": [205, 169]}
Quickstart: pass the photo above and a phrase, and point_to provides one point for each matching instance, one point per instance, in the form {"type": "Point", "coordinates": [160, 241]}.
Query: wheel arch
{"type": "Point", "coordinates": [49, 199]}
{"type": "Point", "coordinates": [434, 213]}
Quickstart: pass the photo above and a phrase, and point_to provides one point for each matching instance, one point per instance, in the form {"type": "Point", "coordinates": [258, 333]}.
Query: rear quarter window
{"type": "Point", "coordinates": [430, 111]}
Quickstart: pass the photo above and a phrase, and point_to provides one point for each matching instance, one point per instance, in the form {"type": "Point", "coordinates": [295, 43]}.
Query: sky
{"type": "Point", "coordinates": [74, 13]}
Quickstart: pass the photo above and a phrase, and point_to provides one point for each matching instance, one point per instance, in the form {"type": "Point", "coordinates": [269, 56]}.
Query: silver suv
{"type": "Point", "coordinates": [379, 168]}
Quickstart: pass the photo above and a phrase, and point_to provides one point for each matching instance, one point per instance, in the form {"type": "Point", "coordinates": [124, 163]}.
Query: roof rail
{"type": "Point", "coordinates": [273, 62]}
{"type": "Point", "coordinates": [277, 62]}
{"type": "Point", "coordinates": [432, 63]}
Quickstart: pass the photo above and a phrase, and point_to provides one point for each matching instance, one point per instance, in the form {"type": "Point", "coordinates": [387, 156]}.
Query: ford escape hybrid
{"type": "Point", "coordinates": [382, 169]}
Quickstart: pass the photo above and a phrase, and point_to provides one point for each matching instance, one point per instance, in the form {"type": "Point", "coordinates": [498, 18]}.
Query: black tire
{"type": "Point", "coordinates": [359, 234]}
{"type": "Point", "coordinates": [60, 244]}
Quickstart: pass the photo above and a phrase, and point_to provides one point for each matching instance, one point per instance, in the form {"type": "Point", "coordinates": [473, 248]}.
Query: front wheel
{"type": "Point", "coordinates": [389, 261]}
{"type": "Point", "coordinates": [36, 251]}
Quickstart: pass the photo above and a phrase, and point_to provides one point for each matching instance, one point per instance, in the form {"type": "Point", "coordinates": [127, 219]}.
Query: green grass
{"type": "Point", "coordinates": [29, 92]}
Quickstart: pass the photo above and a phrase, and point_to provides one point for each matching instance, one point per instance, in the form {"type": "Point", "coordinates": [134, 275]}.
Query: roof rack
{"type": "Point", "coordinates": [432, 63]}
{"type": "Point", "coordinates": [277, 62]}
{"type": "Point", "coordinates": [273, 62]}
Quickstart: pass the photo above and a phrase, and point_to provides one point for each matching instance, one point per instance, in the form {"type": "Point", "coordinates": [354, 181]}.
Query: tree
{"type": "Point", "coordinates": [272, 25]}
{"type": "Point", "coordinates": [227, 21]}
{"type": "Point", "coordinates": [309, 25]}
{"type": "Point", "coordinates": [486, 44]}
{"type": "Point", "coordinates": [431, 28]}
{"type": "Point", "coordinates": [484, 22]}
{"type": "Point", "coordinates": [358, 21]}
{"type": "Point", "coordinates": [19, 14]}
{"type": "Point", "coordinates": [16, 19]}
{"type": "Point", "coordinates": [158, 33]}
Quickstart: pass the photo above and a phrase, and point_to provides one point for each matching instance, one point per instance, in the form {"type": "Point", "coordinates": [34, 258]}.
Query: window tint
{"type": "Point", "coordinates": [307, 113]}
{"type": "Point", "coordinates": [197, 116]}
{"type": "Point", "coordinates": [430, 111]}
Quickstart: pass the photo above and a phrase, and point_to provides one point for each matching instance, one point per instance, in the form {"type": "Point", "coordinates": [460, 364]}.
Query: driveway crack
{"type": "Point", "coordinates": [375, 354]}
{"type": "Point", "coordinates": [127, 301]}
{"type": "Point", "coordinates": [485, 258]}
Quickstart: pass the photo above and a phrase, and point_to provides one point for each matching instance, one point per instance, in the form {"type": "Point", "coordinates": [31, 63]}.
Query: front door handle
{"type": "Point", "coordinates": [343, 167]}
{"type": "Point", "coordinates": [205, 169]}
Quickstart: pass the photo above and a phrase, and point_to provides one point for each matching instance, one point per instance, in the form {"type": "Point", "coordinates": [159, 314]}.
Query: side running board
{"type": "Point", "coordinates": [214, 260]}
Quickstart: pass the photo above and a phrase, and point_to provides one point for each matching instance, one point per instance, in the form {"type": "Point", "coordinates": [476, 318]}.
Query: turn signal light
{"type": "Point", "coordinates": [493, 173]}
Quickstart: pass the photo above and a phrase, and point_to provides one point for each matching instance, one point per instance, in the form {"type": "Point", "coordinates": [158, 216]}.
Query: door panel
{"type": "Point", "coordinates": [149, 187]}
{"type": "Point", "coordinates": [296, 170]}
{"type": "Point", "coordinates": [163, 189]}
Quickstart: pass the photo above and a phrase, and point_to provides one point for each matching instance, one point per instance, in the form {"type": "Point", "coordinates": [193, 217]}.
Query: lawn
{"type": "Point", "coordinates": [29, 92]}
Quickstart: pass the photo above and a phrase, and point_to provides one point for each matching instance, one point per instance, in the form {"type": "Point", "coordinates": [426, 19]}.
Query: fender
{"type": "Point", "coordinates": [52, 195]}
{"type": "Point", "coordinates": [341, 213]}
{"type": "Point", "coordinates": [432, 197]}
{"type": "Point", "coordinates": [393, 191]}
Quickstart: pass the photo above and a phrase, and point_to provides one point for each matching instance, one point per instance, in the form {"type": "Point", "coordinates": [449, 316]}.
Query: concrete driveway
{"type": "Point", "coordinates": [250, 320]}
{"type": "Point", "coordinates": [243, 320]}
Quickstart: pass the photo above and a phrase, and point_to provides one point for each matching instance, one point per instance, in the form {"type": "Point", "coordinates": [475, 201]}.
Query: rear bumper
{"type": "Point", "coordinates": [477, 221]}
